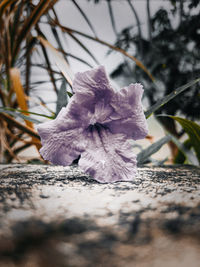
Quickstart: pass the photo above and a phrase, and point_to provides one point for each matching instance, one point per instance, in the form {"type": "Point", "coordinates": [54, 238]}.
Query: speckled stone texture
{"type": "Point", "coordinates": [57, 216]}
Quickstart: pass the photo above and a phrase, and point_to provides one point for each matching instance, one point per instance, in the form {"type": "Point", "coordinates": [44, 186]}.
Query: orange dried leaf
{"type": "Point", "coordinates": [19, 90]}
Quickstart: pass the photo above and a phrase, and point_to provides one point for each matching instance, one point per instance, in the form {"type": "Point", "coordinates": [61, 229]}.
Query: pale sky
{"type": "Point", "coordinates": [98, 14]}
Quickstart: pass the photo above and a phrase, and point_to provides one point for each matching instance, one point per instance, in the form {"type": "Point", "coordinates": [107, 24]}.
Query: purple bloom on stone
{"type": "Point", "coordinates": [97, 125]}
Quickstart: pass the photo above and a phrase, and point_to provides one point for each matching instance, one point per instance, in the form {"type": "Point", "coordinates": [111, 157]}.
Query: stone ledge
{"type": "Point", "coordinates": [58, 216]}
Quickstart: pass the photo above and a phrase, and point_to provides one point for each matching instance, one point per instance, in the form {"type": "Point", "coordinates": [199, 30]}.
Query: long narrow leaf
{"type": "Point", "coordinates": [112, 16]}
{"type": "Point", "coordinates": [18, 150]}
{"type": "Point", "coordinates": [57, 38]}
{"type": "Point", "coordinates": [21, 98]}
{"type": "Point", "coordinates": [77, 58]}
{"type": "Point", "coordinates": [18, 114]}
{"type": "Point", "coordinates": [2, 96]}
{"type": "Point", "coordinates": [137, 62]}
{"type": "Point", "coordinates": [143, 156]}
{"type": "Point", "coordinates": [193, 131]}
{"type": "Point", "coordinates": [21, 148]}
{"type": "Point", "coordinates": [59, 60]}
{"type": "Point", "coordinates": [38, 11]}
{"type": "Point", "coordinates": [5, 145]}
{"type": "Point", "coordinates": [16, 24]}
{"type": "Point", "coordinates": [43, 104]}
{"type": "Point", "coordinates": [43, 67]}
{"type": "Point", "coordinates": [169, 97]}
{"type": "Point", "coordinates": [27, 112]}
{"type": "Point", "coordinates": [18, 137]}
{"type": "Point", "coordinates": [4, 4]}
{"type": "Point", "coordinates": [10, 120]}
{"type": "Point", "coordinates": [85, 17]}
{"type": "Point", "coordinates": [14, 136]}
{"type": "Point", "coordinates": [28, 70]}
{"type": "Point", "coordinates": [62, 98]}
{"type": "Point", "coordinates": [138, 25]}
{"type": "Point", "coordinates": [186, 152]}
{"type": "Point", "coordinates": [49, 69]}
{"type": "Point", "coordinates": [17, 86]}
{"type": "Point", "coordinates": [84, 47]}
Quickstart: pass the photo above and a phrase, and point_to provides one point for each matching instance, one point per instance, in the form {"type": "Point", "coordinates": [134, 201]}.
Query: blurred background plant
{"type": "Point", "coordinates": [32, 38]}
{"type": "Point", "coordinates": [17, 19]}
{"type": "Point", "coordinates": [171, 54]}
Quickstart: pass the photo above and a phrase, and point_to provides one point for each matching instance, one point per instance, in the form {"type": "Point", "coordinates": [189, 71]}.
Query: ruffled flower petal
{"type": "Point", "coordinates": [128, 117]}
{"type": "Point", "coordinates": [62, 139]}
{"type": "Point", "coordinates": [108, 157]}
{"type": "Point", "coordinates": [92, 82]}
{"type": "Point", "coordinates": [93, 92]}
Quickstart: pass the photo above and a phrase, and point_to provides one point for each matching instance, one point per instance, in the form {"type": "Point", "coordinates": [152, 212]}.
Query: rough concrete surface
{"type": "Point", "coordinates": [58, 216]}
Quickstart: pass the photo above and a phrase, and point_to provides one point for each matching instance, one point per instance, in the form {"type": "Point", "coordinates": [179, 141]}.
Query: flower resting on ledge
{"type": "Point", "coordinates": [96, 125]}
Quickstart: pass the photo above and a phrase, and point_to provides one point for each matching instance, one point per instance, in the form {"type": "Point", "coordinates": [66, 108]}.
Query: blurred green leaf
{"type": "Point", "coordinates": [193, 131]}
{"type": "Point", "coordinates": [144, 155]}
{"type": "Point", "coordinates": [69, 94]}
{"type": "Point", "coordinates": [169, 97]}
{"type": "Point", "coordinates": [18, 114]}
{"type": "Point", "coordinates": [184, 155]}
{"type": "Point", "coordinates": [28, 112]}
{"type": "Point", "coordinates": [62, 98]}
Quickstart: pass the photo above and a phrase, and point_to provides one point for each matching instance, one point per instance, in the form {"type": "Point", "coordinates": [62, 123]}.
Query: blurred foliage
{"type": "Point", "coordinates": [17, 18]}
{"type": "Point", "coordinates": [167, 59]}
{"type": "Point", "coordinates": [171, 54]}
{"type": "Point", "coordinates": [21, 36]}
{"type": "Point", "coordinates": [193, 131]}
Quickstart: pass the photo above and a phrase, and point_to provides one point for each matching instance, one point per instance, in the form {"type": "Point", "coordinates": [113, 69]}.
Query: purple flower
{"type": "Point", "coordinates": [96, 125]}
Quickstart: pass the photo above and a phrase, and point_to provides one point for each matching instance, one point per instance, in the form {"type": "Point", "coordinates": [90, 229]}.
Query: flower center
{"type": "Point", "coordinates": [96, 127]}
{"type": "Point", "coordinates": [93, 120]}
